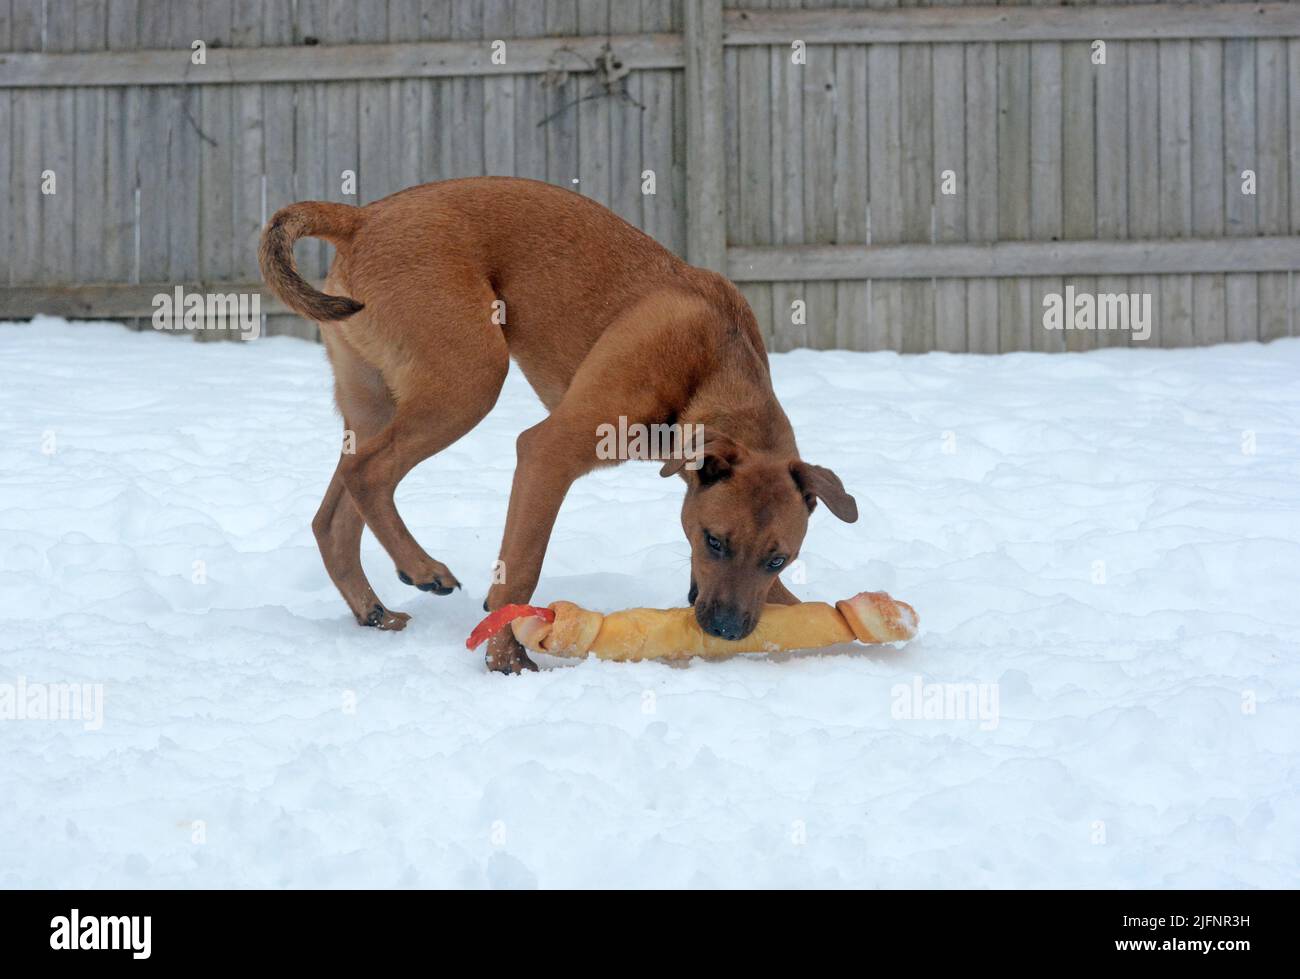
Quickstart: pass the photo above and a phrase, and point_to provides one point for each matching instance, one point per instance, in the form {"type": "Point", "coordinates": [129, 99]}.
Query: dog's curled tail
{"type": "Point", "coordinates": [336, 223]}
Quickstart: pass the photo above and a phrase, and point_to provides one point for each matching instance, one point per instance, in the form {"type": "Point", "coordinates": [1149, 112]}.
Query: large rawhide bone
{"type": "Point", "coordinates": [648, 633]}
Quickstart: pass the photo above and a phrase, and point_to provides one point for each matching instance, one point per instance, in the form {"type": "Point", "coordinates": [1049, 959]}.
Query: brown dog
{"type": "Point", "coordinates": [604, 323]}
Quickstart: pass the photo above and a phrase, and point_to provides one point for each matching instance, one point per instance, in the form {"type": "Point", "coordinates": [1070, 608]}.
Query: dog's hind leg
{"type": "Point", "coordinates": [445, 376]}
{"type": "Point", "coordinates": [367, 407]}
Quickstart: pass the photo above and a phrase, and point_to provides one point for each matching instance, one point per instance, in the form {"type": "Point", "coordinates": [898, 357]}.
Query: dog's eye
{"type": "Point", "coordinates": [715, 545]}
{"type": "Point", "coordinates": [775, 563]}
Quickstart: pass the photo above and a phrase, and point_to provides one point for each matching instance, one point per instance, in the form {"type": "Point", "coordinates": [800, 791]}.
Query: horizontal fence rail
{"type": "Point", "coordinates": [445, 59]}
{"type": "Point", "coordinates": [337, 62]}
{"type": "Point", "coordinates": [1174, 256]}
{"type": "Point", "coordinates": [931, 25]}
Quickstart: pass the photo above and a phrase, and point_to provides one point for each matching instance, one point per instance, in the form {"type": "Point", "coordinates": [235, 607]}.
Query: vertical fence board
{"type": "Point", "coordinates": [377, 158]}
{"type": "Point", "coordinates": [1046, 170]}
{"type": "Point", "coordinates": [851, 175]}
{"type": "Point", "coordinates": [1175, 67]}
{"type": "Point", "coordinates": [1144, 167]}
{"type": "Point", "coordinates": [625, 126]}
{"type": "Point", "coordinates": [58, 136]}
{"type": "Point", "coordinates": [530, 100]}
{"type": "Point", "coordinates": [405, 103]}
{"type": "Point", "coordinates": [752, 223]}
{"type": "Point", "coordinates": [279, 170]}
{"type": "Point", "coordinates": [1271, 153]}
{"type": "Point", "coordinates": [1079, 164]}
{"type": "Point", "coordinates": [1208, 291]}
{"type": "Point", "coordinates": [786, 191]}
{"type": "Point", "coordinates": [949, 108]}
{"type": "Point", "coordinates": [562, 161]}
{"type": "Point", "coordinates": [660, 211]}
{"type": "Point", "coordinates": [916, 91]}
{"type": "Point", "coordinates": [885, 140]}
{"type": "Point", "coordinates": [90, 172]}
{"type": "Point", "coordinates": [7, 235]}
{"type": "Point", "coordinates": [498, 94]}
{"type": "Point", "coordinates": [593, 114]}
{"type": "Point", "coordinates": [818, 147]}
{"type": "Point", "coordinates": [215, 114]}
{"type": "Point", "coordinates": [1014, 90]}
{"type": "Point", "coordinates": [1239, 156]}
{"type": "Point", "coordinates": [1112, 164]}
{"type": "Point", "coordinates": [436, 132]}
{"type": "Point", "coordinates": [981, 190]}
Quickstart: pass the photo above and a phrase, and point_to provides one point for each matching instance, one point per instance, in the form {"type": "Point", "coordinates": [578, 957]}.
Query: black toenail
{"type": "Point", "coordinates": [375, 616]}
{"type": "Point", "coordinates": [404, 578]}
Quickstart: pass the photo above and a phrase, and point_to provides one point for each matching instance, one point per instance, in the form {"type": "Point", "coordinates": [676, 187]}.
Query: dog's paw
{"type": "Point", "coordinates": [442, 584]}
{"type": "Point", "coordinates": [381, 618]}
{"type": "Point", "coordinates": [506, 655]}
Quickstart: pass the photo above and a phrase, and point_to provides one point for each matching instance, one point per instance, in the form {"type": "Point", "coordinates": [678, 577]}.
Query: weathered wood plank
{"type": "Point", "coordinates": [1046, 175]}
{"type": "Point", "coordinates": [116, 300]}
{"type": "Point", "coordinates": [376, 159]}
{"type": "Point", "coordinates": [661, 213]}
{"type": "Point", "coordinates": [1016, 321]}
{"type": "Point", "coordinates": [750, 133]}
{"type": "Point", "coordinates": [818, 147]}
{"type": "Point", "coordinates": [949, 110]}
{"type": "Point", "coordinates": [885, 139]}
{"type": "Point", "coordinates": [7, 242]}
{"type": "Point", "coordinates": [1079, 163]}
{"type": "Point", "coordinates": [981, 112]}
{"type": "Point", "coordinates": [279, 166]}
{"type": "Point", "coordinates": [1240, 208]}
{"type": "Point", "coordinates": [1175, 306]}
{"type": "Point", "coordinates": [1271, 146]}
{"type": "Point", "coordinates": [786, 301]}
{"type": "Point", "coordinates": [562, 151]}
{"type": "Point", "coordinates": [215, 111]}
{"type": "Point", "coordinates": [91, 139]}
{"type": "Point", "coordinates": [529, 100]}
{"type": "Point", "coordinates": [593, 113]}
{"type": "Point", "coordinates": [1013, 259]}
{"type": "Point", "coordinates": [929, 25]}
{"type": "Point", "coordinates": [331, 62]}
{"type": "Point", "coordinates": [852, 172]}
{"type": "Point", "coordinates": [705, 179]}
{"type": "Point", "coordinates": [58, 137]}
{"type": "Point", "coordinates": [499, 93]}
{"type": "Point", "coordinates": [1208, 291]}
{"type": "Point", "coordinates": [1112, 161]}
{"type": "Point", "coordinates": [916, 93]}
{"type": "Point", "coordinates": [625, 197]}
{"type": "Point", "coordinates": [1144, 165]}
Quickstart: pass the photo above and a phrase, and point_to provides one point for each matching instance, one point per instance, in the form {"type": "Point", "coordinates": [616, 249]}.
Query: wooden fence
{"type": "Point", "coordinates": [875, 175]}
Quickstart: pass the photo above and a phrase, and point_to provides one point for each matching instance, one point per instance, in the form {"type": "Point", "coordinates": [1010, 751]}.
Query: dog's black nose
{"type": "Point", "coordinates": [726, 625]}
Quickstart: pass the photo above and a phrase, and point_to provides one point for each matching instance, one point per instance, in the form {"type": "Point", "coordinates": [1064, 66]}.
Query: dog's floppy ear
{"type": "Point", "coordinates": [819, 483]}
{"type": "Point", "coordinates": [711, 458]}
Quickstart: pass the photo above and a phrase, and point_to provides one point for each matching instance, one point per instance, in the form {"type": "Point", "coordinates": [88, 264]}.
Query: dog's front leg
{"type": "Point", "coordinates": [549, 460]}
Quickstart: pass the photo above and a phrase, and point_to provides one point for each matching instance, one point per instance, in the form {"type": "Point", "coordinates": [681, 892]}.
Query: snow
{"type": "Point", "coordinates": [1102, 549]}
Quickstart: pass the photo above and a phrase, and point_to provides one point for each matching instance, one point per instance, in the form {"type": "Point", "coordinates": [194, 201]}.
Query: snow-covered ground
{"type": "Point", "coordinates": [1105, 547]}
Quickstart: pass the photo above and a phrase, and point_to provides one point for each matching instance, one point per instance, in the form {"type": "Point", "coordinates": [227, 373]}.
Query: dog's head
{"type": "Point", "coordinates": [745, 516]}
